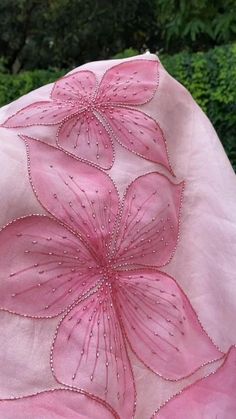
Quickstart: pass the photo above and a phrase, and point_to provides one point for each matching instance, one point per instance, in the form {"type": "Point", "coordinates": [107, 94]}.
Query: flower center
{"type": "Point", "coordinates": [91, 105]}
{"type": "Point", "coordinates": [109, 273]}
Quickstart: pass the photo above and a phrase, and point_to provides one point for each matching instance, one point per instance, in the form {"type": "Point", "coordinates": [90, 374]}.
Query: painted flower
{"type": "Point", "coordinates": [54, 404]}
{"type": "Point", "coordinates": [97, 259]}
{"type": "Point", "coordinates": [91, 115]}
{"type": "Point", "coordinates": [212, 397]}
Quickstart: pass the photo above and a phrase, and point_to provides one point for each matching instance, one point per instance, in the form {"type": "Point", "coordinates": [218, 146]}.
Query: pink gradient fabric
{"type": "Point", "coordinates": [91, 114]}
{"type": "Point", "coordinates": [210, 397]}
{"type": "Point", "coordinates": [117, 249]}
{"type": "Point", "coordinates": [54, 404]}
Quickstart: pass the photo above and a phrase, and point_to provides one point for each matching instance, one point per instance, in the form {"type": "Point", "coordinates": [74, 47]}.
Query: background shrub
{"type": "Point", "coordinates": [211, 79]}
{"type": "Point", "coordinates": [14, 86]}
{"type": "Point", "coordinates": [209, 76]}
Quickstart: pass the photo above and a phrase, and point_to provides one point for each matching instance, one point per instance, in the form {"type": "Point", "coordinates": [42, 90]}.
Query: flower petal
{"type": "Point", "coordinates": [79, 87]}
{"type": "Point", "coordinates": [161, 326]}
{"type": "Point", "coordinates": [79, 195]}
{"type": "Point", "coordinates": [44, 267]}
{"type": "Point", "coordinates": [89, 352]}
{"type": "Point", "coordinates": [54, 404]}
{"type": "Point", "coordinates": [138, 133]}
{"type": "Point", "coordinates": [211, 397]}
{"type": "Point", "coordinates": [132, 82]}
{"type": "Point", "coordinates": [84, 136]}
{"type": "Point", "coordinates": [149, 225]}
{"type": "Point", "coordinates": [40, 113]}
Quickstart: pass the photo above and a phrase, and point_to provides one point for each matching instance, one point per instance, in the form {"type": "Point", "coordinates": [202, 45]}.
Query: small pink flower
{"type": "Point", "coordinates": [54, 404]}
{"type": "Point", "coordinates": [91, 115]}
{"type": "Point", "coordinates": [98, 260]}
{"type": "Point", "coordinates": [212, 397]}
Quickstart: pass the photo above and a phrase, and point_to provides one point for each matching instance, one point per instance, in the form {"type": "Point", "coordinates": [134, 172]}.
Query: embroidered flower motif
{"type": "Point", "coordinates": [98, 260]}
{"type": "Point", "coordinates": [54, 404]}
{"type": "Point", "coordinates": [90, 116]}
{"type": "Point", "coordinates": [211, 397]}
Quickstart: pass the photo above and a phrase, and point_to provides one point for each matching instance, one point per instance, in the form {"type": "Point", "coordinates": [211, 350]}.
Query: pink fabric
{"type": "Point", "coordinates": [209, 398]}
{"type": "Point", "coordinates": [117, 258]}
{"type": "Point", "coordinates": [91, 114]}
{"type": "Point", "coordinates": [55, 404]}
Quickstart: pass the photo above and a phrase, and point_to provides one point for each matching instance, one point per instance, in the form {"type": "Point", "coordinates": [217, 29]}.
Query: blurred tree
{"type": "Point", "coordinates": [196, 24]}
{"type": "Point", "coordinates": [93, 29]}
{"type": "Point", "coordinates": [66, 33]}
{"type": "Point", "coordinates": [19, 24]}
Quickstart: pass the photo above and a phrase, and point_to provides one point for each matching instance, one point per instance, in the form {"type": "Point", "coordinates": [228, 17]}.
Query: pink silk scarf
{"type": "Point", "coordinates": [117, 251]}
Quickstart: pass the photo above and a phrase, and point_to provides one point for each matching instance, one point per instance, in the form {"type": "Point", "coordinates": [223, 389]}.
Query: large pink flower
{"type": "Point", "coordinates": [212, 397]}
{"type": "Point", "coordinates": [97, 260]}
{"type": "Point", "coordinates": [54, 404]}
{"type": "Point", "coordinates": [90, 116]}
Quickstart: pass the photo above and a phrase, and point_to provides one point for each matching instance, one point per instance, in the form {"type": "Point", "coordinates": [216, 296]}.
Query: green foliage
{"type": "Point", "coordinates": [64, 33]}
{"type": "Point", "coordinates": [129, 52]}
{"type": "Point", "coordinates": [14, 86]}
{"type": "Point", "coordinates": [209, 76]}
{"type": "Point", "coordinates": [196, 24]}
